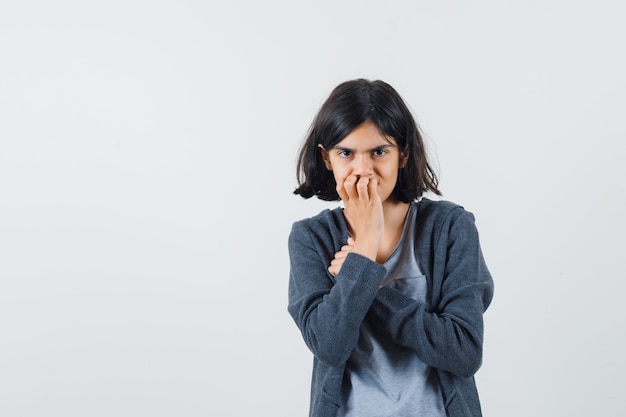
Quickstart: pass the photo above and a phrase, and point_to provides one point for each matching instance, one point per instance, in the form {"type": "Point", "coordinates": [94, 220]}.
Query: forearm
{"type": "Point", "coordinates": [330, 318]}
{"type": "Point", "coordinates": [451, 341]}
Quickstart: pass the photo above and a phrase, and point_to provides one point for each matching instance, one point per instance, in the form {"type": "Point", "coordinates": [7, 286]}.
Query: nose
{"type": "Point", "coordinates": [362, 166]}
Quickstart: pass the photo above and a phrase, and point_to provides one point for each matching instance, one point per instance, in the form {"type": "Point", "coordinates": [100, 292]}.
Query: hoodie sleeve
{"type": "Point", "coordinates": [328, 311]}
{"type": "Point", "coordinates": [448, 336]}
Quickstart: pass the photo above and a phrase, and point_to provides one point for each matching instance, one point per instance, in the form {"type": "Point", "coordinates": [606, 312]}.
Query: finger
{"type": "Point", "coordinates": [347, 248]}
{"type": "Point", "coordinates": [362, 188]}
{"type": "Point", "coordinates": [373, 187]}
{"type": "Point", "coordinates": [335, 265]}
{"type": "Point", "coordinates": [350, 241]}
{"type": "Point", "coordinates": [349, 186]}
{"type": "Point", "coordinates": [342, 191]}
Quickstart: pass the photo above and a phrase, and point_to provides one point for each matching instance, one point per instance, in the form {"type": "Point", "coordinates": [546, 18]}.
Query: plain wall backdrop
{"type": "Point", "coordinates": [147, 163]}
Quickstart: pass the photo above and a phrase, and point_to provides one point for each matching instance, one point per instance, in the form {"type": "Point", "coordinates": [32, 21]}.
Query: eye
{"type": "Point", "coordinates": [344, 153]}
{"type": "Point", "coordinates": [379, 152]}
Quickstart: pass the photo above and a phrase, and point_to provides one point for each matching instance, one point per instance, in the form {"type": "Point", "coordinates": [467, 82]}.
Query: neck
{"type": "Point", "coordinates": [395, 213]}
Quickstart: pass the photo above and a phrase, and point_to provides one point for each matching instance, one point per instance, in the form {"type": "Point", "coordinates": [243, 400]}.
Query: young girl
{"type": "Point", "coordinates": [388, 292]}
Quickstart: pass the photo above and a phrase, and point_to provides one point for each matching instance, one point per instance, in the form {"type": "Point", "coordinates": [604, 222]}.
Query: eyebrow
{"type": "Point", "coordinates": [343, 148]}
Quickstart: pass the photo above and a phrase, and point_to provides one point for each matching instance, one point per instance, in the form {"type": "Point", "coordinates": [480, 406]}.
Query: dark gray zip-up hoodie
{"type": "Point", "coordinates": [329, 310]}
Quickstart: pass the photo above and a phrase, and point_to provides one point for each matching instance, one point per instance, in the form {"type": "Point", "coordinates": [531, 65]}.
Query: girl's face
{"type": "Point", "coordinates": [364, 152]}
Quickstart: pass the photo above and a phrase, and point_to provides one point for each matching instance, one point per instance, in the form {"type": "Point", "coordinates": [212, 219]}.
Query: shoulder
{"type": "Point", "coordinates": [440, 212]}
{"type": "Point", "coordinates": [328, 225]}
{"type": "Point", "coordinates": [445, 222]}
{"type": "Point", "coordinates": [319, 221]}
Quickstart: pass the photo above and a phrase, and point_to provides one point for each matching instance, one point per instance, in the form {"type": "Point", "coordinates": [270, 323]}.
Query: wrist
{"type": "Point", "coordinates": [367, 247]}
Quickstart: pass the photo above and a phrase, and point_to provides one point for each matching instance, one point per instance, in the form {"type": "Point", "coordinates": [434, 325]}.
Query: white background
{"type": "Point", "coordinates": [147, 154]}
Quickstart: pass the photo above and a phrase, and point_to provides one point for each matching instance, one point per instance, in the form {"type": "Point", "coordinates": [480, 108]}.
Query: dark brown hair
{"type": "Point", "coordinates": [350, 104]}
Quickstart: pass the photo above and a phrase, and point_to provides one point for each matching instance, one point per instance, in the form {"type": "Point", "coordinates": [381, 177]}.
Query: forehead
{"type": "Point", "coordinates": [365, 136]}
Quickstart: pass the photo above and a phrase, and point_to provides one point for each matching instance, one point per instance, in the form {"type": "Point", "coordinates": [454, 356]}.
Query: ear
{"type": "Point", "coordinates": [325, 157]}
{"type": "Point", "coordinates": [403, 158]}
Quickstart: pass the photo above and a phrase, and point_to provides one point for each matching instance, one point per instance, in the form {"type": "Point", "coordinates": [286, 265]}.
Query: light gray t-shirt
{"type": "Point", "coordinates": [382, 378]}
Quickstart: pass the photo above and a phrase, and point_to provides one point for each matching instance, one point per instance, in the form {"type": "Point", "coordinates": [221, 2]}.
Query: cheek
{"type": "Point", "coordinates": [390, 179]}
{"type": "Point", "coordinates": [340, 175]}
{"type": "Point", "coordinates": [389, 173]}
